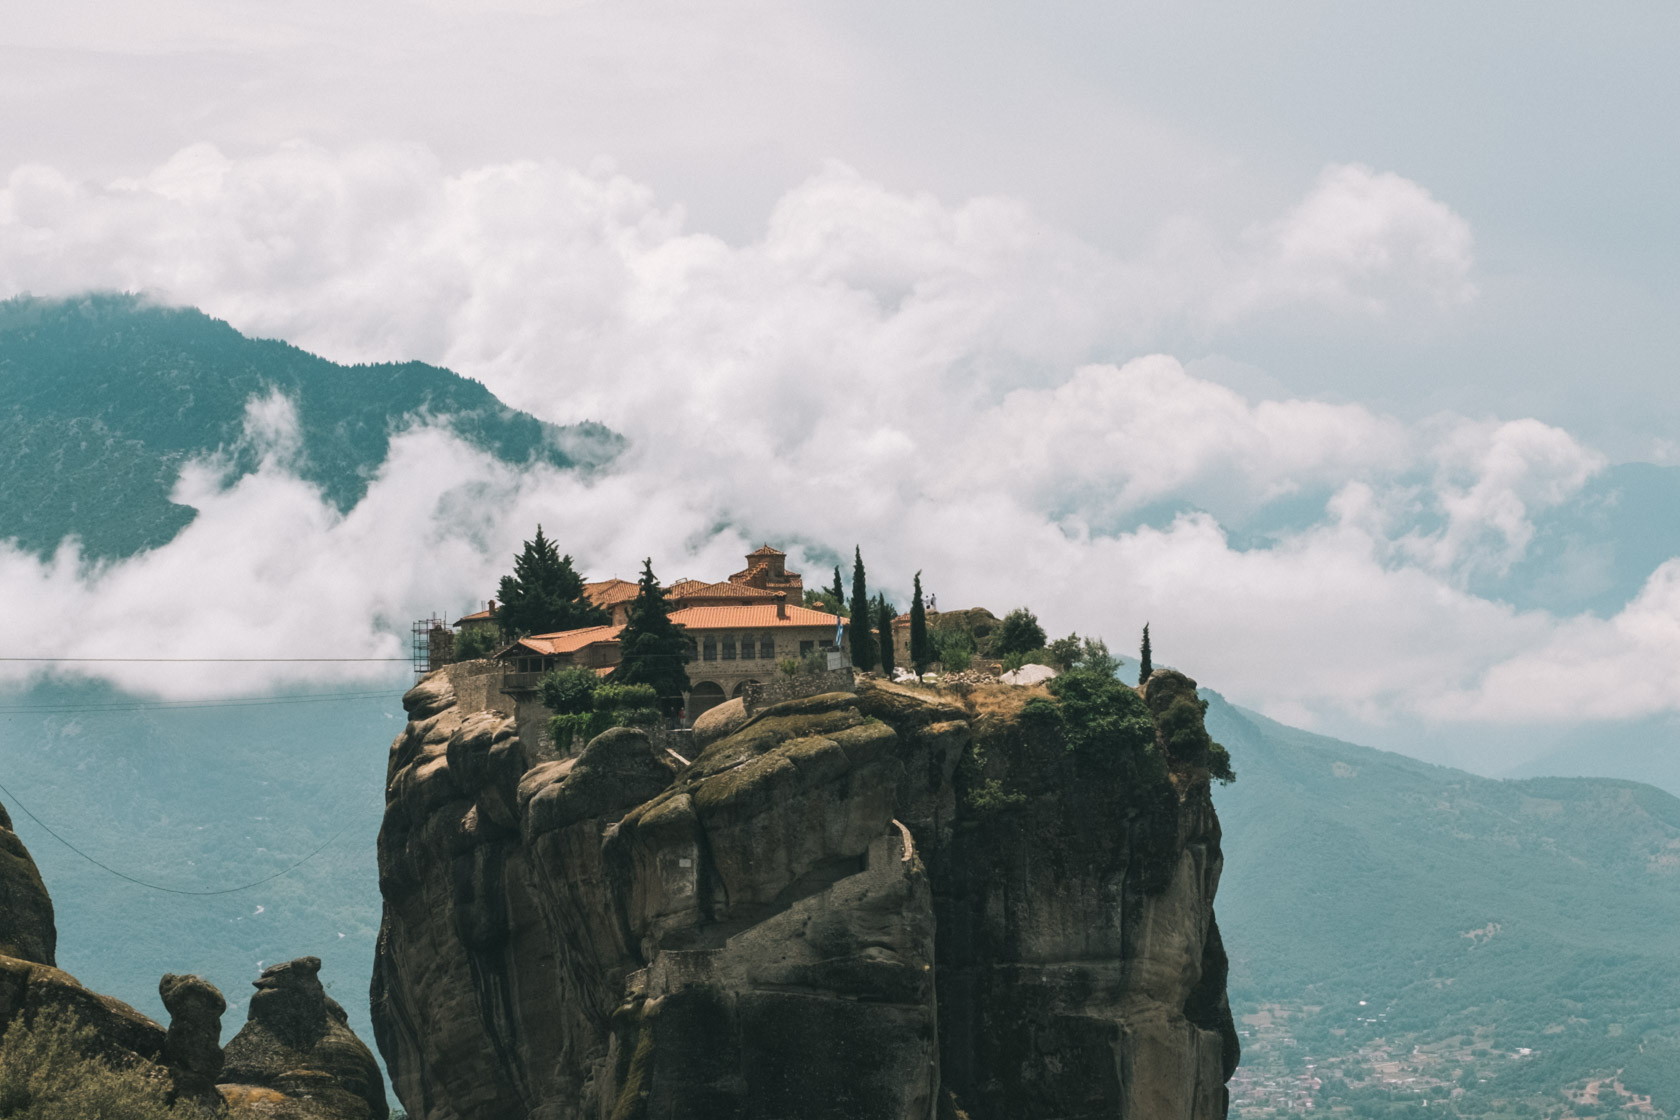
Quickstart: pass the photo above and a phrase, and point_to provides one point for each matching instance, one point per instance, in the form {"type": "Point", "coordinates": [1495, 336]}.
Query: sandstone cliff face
{"type": "Point", "coordinates": [897, 903]}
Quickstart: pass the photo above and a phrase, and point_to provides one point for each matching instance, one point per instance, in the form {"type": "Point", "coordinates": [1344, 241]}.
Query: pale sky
{"type": "Point", "coordinates": [1412, 268]}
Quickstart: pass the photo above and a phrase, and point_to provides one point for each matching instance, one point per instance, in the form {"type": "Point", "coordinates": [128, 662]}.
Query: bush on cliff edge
{"type": "Point", "coordinates": [48, 1071]}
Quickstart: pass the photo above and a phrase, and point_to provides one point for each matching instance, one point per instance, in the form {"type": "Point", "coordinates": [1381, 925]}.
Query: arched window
{"type": "Point", "coordinates": [767, 647]}
{"type": "Point", "coordinates": [728, 644]}
{"type": "Point", "coordinates": [708, 650]}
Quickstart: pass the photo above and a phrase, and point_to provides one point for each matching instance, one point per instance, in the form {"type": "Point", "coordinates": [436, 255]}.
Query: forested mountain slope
{"type": "Point", "coordinates": [1540, 915]}
{"type": "Point", "coordinates": [104, 397]}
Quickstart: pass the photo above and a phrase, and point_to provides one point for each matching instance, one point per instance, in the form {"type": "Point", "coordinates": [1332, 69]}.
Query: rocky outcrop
{"type": "Point", "coordinates": [27, 932]}
{"type": "Point", "coordinates": [296, 1056]}
{"type": "Point", "coordinates": [295, 1060]}
{"type": "Point", "coordinates": [192, 1050]}
{"type": "Point", "coordinates": [893, 903]}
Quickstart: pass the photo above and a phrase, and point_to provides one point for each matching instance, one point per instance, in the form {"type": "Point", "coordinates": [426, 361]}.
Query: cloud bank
{"type": "Point", "coordinates": [960, 388]}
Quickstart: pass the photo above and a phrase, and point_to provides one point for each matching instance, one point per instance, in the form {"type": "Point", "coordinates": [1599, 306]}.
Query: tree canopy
{"type": "Point", "coordinates": [884, 627]}
{"type": "Point", "coordinates": [921, 649]}
{"type": "Point", "coordinates": [1018, 633]}
{"type": "Point", "coordinates": [863, 642]}
{"type": "Point", "coordinates": [544, 594]}
{"type": "Point", "coordinates": [653, 649]}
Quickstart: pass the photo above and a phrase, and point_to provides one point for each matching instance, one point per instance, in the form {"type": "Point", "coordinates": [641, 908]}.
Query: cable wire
{"type": "Point", "coordinates": [13, 798]}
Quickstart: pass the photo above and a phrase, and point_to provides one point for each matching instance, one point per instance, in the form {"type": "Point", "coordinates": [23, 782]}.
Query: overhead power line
{"type": "Point", "coordinates": [210, 660]}
{"type": "Point", "coordinates": [13, 798]}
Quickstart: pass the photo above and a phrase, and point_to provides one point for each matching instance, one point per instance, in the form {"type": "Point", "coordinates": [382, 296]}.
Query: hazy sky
{"type": "Point", "coordinates": [970, 284]}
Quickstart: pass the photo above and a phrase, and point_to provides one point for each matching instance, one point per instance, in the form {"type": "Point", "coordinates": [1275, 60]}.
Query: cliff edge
{"type": "Point", "coordinates": [898, 902]}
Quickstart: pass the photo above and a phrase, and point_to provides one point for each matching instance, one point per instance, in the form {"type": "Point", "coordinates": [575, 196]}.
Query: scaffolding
{"type": "Point", "coordinates": [431, 646]}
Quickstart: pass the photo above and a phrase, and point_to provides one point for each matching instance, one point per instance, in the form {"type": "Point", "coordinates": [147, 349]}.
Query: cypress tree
{"type": "Point", "coordinates": [1144, 667]}
{"type": "Point", "coordinates": [863, 642]}
{"type": "Point", "coordinates": [884, 627]}
{"type": "Point", "coordinates": [653, 648]}
{"type": "Point", "coordinates": [839, 592]}
{"type": "Point", "coordinates": [544, 594]}
{"type": "Point", "coordinates": [921, 650]}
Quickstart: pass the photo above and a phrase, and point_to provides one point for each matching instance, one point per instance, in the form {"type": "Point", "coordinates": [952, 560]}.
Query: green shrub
{"type": "Point", "coordinates": [1018, 633]}
{"type": "Point", "coordinates": [569, 691]}
{"type": "Point", "coordinates": [1187, 738]}
{"type": "Point", "coordinates": [48, 1071]}
{"type": "Point", "coordinates": [474, 642]}
{"type": "Point", "coordinates": [585, 706]}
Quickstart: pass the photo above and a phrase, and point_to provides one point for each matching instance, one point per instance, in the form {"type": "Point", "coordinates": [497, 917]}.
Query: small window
{"type": "Point", "coordinates": [728, 643]}
{"type": "Point", "coordinates": [708, 651]}
{"type": "Point", "coordinates": [749, 651]}
{"type": "Point", "coordinates": [807, 648]}
{"type": "Point", "coordinates": [767, 647]}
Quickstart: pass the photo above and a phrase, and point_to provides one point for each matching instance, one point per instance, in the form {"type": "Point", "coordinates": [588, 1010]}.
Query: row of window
{"type": "Point", "coordinates": [723, 647]}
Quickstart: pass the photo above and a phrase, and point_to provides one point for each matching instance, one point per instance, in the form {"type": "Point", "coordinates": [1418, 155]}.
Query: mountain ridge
{"type": "Point", "coordinates": [104, 397]}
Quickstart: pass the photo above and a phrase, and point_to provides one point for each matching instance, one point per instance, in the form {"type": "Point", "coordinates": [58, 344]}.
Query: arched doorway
{"type": "Point", "coordinates": [704, 696]}
{"type": "Point", "coordinates": [741, 689]}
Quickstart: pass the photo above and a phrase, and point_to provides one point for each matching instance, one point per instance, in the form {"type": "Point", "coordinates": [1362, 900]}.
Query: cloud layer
{"type": "Point", "coordinates": [961, 388]}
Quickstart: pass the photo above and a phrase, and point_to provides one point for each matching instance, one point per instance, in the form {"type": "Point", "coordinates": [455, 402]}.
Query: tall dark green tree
{"type": "Point", "coordinates": [884, 628]}
{"type": "Point", "coordinates": [1144, 667]}
{"type": "Point", "coordinates": [653, 650]}
{"type": "Point", "coordinates": [863, 642]}
{"type": "Point", "coordinates": [921, 649]}
{"type": "Point", "coordinates": [839, 592]}
{"type": "Point", "coordinates": [544, 594]}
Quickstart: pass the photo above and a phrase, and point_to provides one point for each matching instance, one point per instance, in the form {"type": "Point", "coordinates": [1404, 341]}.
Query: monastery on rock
{"type": "Point", "coordinates": [742, 628]}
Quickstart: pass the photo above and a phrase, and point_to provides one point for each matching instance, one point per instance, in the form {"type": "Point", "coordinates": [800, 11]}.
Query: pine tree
{"type": "Point", "coordinates": [544, 594]}
{"type": "Point", "coordinates": [863, 642]}
{"type": "Point", "coordinates": [921, 650]}
{"type": "Point", "coordinates": [884, 627]}
{"type": "Point", "coordinates": [1144, 667]}
{"type": "Point", "coordinates": [839, 593]}
{"type": "Point", "coordinates": [653, 649]}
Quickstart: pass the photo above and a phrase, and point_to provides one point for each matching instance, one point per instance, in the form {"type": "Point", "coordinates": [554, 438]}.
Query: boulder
{"type": "Point", "coordinates": [296, 1056]}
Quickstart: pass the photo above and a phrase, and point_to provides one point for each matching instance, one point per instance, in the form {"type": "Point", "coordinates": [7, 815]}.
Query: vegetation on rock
{"type": "Point", "coordinates": [51, 1069]}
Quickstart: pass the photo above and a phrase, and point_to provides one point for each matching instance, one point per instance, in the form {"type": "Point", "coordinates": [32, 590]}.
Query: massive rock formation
{"type": "Point", "coordinates": [296, 1059]}
{"type": "Point", "coordinates": [894, 903]}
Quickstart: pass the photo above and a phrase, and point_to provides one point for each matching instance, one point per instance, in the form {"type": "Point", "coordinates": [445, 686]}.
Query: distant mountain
{"type": "Point", "coordinates": [1644, 750]}
{"type": "Point", "coordinates": [102, 398]}
{"type": "Point", "coordinates": [1540, 915]}
{"type": "Point", "coordinates": [1595, 551]}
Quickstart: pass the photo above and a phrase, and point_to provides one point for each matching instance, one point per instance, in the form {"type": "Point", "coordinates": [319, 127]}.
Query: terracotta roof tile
{"type": "Point", "coordinates": [694, 589]}
{"type": "Point", "coordinates": [476, 616]}
{"type": "Point", "coordinates": [750, 618]}
{"type": "Point", "coordinates": [609, 592]}
{"type": "Point", "coordinates": [566, 641]}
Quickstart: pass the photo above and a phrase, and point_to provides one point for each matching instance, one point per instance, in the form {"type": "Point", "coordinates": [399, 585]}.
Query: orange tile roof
{"type": "Point", "coordinates": [766, 551]}
{"type": "Point", "coordinates": [476, 616]}
{"type": "Point", "coordinates": [609, 592]}
{"type": "Point", "coordinates": [567, 641]}
{"type": "Point", "coordinates": [756, 617]}
{"type": "Point", "coordinates": [694, 589]}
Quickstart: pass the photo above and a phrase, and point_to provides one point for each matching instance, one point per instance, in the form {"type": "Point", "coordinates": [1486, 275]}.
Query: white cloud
{"type": "Point", "coordinates": [879, 368]}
